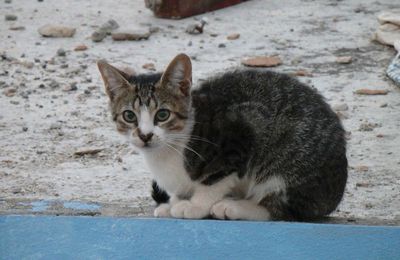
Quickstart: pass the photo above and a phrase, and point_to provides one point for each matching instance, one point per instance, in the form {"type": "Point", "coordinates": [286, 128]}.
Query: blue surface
{"type": "Point", "coordinates": [41, 237]}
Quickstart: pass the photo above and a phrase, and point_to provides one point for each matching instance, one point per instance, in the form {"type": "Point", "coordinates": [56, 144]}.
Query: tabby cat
{"type": "Point", "coordinates": [247, 144]}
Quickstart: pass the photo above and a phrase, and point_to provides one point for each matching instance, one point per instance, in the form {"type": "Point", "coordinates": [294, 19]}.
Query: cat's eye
{"type": "Point", "coordinates": [129, 116]}
{"type": "Point", "coordinates": [162, 115]}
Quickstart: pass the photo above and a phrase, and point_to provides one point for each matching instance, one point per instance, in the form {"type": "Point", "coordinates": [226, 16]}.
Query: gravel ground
{"type": "Point", "coordinates": [53, 102]}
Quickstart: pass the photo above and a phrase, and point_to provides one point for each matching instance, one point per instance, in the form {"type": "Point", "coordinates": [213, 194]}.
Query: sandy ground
{"type": "Point", "coordinates": [43, 124]}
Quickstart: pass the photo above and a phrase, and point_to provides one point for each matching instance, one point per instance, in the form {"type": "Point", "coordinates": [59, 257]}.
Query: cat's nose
{"type": "Point", "coordinates": [145, 138]}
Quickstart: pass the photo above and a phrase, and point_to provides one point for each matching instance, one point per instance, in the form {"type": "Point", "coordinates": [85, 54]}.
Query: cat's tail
{"type": "Point", "coordinates": [159, 195]}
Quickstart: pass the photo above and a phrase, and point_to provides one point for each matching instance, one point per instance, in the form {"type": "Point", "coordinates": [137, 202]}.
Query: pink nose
{"type": "Point", "coordinates": [145, 138]}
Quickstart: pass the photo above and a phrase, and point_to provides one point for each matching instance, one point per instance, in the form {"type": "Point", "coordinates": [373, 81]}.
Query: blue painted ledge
{"type": "Point", "coordinates": [46, 237]}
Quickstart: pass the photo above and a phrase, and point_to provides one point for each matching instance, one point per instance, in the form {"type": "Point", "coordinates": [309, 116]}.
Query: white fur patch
{"type": "Point", "coordinates": [274, 184]}
{"type": "Point", "coordinates": [146, 124]}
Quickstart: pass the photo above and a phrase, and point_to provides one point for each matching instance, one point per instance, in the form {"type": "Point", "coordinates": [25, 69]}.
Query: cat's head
{"type": "Point", "coordinates": [154, 111]}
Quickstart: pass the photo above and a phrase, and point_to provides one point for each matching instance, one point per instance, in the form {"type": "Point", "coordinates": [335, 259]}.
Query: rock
{"type": "Point", "coordinates": [81, 47]}
{"type": "Point", "coordinates": [57, 31]}
{"type": "Point", "coordinates": [262, 61]}
{"type": "Point", "coordinates": [196, 28]}
{"type": "Point", "coordinates": [130, 36]}
{"type": "Point", "coordinates": [149, 66]}
{"type": "Point", "coordinates": [361, 168]}
{"type": "Point", "coordinates": [367, 127]}
{"type": "Point", "coordinates": [384, 105]}
{"type": "Point", "coordinates": [54, 84]}
{"type": "Point", "coordinates": [72, 87]}
{"type": "Point", "coordinates": [17, 28]}
{"type": "Point", "coordinates": [10, 92]}
{"type": "Point", "coordinates": [221, 45]}
{"type": "Point", "coordinates": [344, 59]}
{"type": "Point", "coordinates": [389, 17]}
{"type": "Point", "coordinates": [24, 128]}
{"type": "Point", "coordinates": [365, 91]}
{"type": "Point", "coordinates": [10, 17]}
{"type": "Point", "coordinates": [98, 36]}
{"type": "Point", "coordinates": [88, 151]}
{"type": "Point", "coordinates": [7, 1]}
{"type": "Point", "coordinates": [61, 52]}
{"type": "Point", "coordinates": [387, 34]}
{"type": "Point", "coordinates": [342, 115]}
{"type": "Point", "coordinates": [109, 26]}
{"type": "Point", "coordinates": [234, 36]}
{"type": "Point", "coordinates": [27, 64]}
{"type": "Point", "coordinates": [340, 107]}
{"type": "Point", "coordinates": [303, 73]}
{"type": "Point", "coordinates": [363, 184]}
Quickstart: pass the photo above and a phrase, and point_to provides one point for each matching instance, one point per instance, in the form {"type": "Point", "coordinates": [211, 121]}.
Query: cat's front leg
{"type": "Point", "coordinates": [203, 198]}
{"type": "Point", "coordinates": [164, 210]}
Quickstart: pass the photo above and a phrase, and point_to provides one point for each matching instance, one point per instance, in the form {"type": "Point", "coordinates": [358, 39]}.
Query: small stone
{"type": "Point", "coordinates": [361, 168]}
{"type": "Point", "coordinates": [56, 31]}
{"type": "Point", "coordinates": [214, 34]}
{"type": "Point", "coordinates": [340, 107]}
{"type": "Point", "coordinates": [81, 47]}
{"type": "Point", "coordinates": [342, 115]}
{"type": "Point", "coordinates": [7, 1]}
{"type": "Point", "coordinates": [384, 105]}
{"type": "Point", "coordinates": [365, 91]}
{"type": "Point", "coordinates": [88, 151]}
{"type": "Point", "coordinates": [149, 66]}
{"type": "Point", "coordinates": [72, 87]}
{"type": "Point", "coordinates": [87, 92]}
{"type": "Point", "coordinates": [221, 45]}
{"type": "Point", "coordinates": [344, 59]}
{"type": "Point", "coordinates": [54, 84]}
{"type": "Point", "coordinates": [99, 35]}
{"type": "Point", "coordinates": [10, 92]}
{"type": "Point", "coordinates": [17, 28]}
{"type": "Point", "coordinates": [24, 128]}
{"type": "Point", "coordinates": [64, 66]}
{"type": "Point", "coordinates": [27, 64]}
{"type": "Point", "coordinates": [109, 26]}
{"type": "Point", "coordinates": [154, 29]}
{"type": "Point", "coordinates": [303, 73]}
{"type": "Point", "coordinates": [367, 127]}
{"type": "Point", "coordinates": [234, 36]}
{"type": "Point", "coordinates": [11, 17]}
{"type": "Point", "coordinates": [130, 36]}
{"type": "Point", "coordinates": [262, 61]}
{"type": "Point", "coordinates": [41, 86]}
{"type": "Point", "coordinates": [190, 43]}
{"type": "Point", "coordinates": [61, 52]}
{"type": "Point", "coordinates": [196, 28]}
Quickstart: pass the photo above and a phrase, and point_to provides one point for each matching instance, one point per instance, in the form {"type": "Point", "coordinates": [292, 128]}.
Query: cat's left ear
{"type": "Point", "coordinates": [179, 74]}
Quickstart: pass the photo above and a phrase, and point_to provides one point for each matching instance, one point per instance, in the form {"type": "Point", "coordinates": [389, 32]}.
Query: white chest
{"type": "Point", "coordinates": [169, 172]}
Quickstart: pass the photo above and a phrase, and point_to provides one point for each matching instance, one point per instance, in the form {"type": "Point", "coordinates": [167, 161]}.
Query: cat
{"type": "Point", "coordinates": [244, 145]}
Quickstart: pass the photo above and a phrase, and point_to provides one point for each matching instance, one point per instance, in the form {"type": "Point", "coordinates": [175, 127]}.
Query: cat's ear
{"type": "Point", "coordinates": [115, 80]}
{"type": "Point", "coordinates": [179, 74]}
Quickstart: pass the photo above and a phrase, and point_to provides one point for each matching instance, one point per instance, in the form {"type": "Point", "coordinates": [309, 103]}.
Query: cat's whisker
{"type": "Point", "coordinates": [187, 147]}
{"type": "Point", "coordinates": [176, 150]}
{"type": "Point", "coordinates": [188, 137]}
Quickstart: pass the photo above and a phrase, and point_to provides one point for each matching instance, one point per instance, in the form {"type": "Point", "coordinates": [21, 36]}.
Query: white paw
{"type": "Point", "coordinates": [226, 209]}
{"type": "Point", "coordinates": [186, 209]}
{"type": "Point", "coordinates": [163, 211]}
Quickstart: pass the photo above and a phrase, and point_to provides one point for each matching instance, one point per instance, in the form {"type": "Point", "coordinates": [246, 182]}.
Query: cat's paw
{"type": "Point", "coordinates": [163, 211]}
{"type": "Point", "coordinates": [186, 209]}
{"type": "Point", "coordinates": [225, 209]}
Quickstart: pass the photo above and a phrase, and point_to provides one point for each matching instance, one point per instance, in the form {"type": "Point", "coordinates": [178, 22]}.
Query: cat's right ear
{"type": "Point", "coordinates": [115, 80]}
{"type": "Point", "coordinates": [179, 74]}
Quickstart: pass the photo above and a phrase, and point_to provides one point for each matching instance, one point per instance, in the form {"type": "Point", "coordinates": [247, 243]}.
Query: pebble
{"type": "Point", "coordinates": [367, 127]}
{"type": "Point", "coordinates": [149, 66]}
{"type": "Point", "coordinates": [11, 17]}
{"type": "Point", "coordinates": [340, 107]}
{"type": "Point", "coordinates": [24, 128]}
{"type": "Point", "coordinates": [221, 45]}
{"type": "Point", "coordinates": [98, 36]}
{"type": "Point", "coordinates": [344, 59]}
{"type": "Point", "coordinates": [10, 92]}
{"type": "Point", "coordinates": [196, 28]}
{"type": "Point", "coordinates": [262, 61]}
{"type": "Point", "coordinates": [42, 86]}
{"type": "Point", "coordinates": [130, 35]}
{"type": "Point", "coordinates": [72, 87]}
{"type": "Point", "coordinates": [384, 105]}
{"type": "Point", "coordinates": [234, 36]}
{"type": "Point", "coordinates": [54, 84]}
{"type": "Point", "coordinates": [365, 91]}
{"type": "Point", "coordinates": [303, 73]}
{"type": "Point", "coordinates": [7, 1]}
{"type": "Point", "coordinates": [104, 30]}
{"type": "Point", "coordinates": [57, 31]}
{"type": "Point", "coordinates": [61, 52]}
{"type": "Point", "coordinates": [27, 64]}
{"type": "Point", "coordinates": [17, 28]}
{"type": "Point", "coordinates": [81, 47]}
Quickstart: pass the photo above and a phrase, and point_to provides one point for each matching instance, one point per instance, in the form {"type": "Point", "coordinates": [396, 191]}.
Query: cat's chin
{"type": "Point", "coordinates": [147, 147]}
